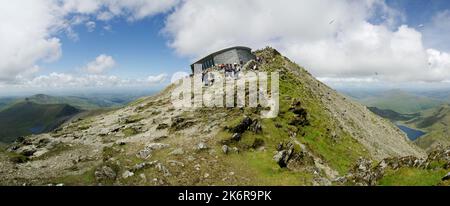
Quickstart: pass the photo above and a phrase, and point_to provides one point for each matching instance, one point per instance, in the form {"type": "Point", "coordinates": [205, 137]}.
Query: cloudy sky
{"type": "Point", "coordinates": [51, 44]}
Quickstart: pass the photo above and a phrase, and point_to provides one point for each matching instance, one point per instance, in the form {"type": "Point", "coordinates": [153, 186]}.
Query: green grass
{"type": "Point", "coordinates": [340, 154]}
{"type": "Point", "coordinates": [129, 132]}
{"type": "Point", "coordinates": [260, 166]}
{"type": "Point", "coordinates": [16, 158]}
{"type": "Point", "coordinates": [134, 118]}
{"type": "Point", "coordinates": [60, 148]}
{"type": "Point", "coordinates": [412, 177]}
{"type": "Point", "coordinates": [86, 178]}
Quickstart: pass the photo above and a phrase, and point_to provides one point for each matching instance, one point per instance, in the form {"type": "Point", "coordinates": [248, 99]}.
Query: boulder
{"type": "Point", "coordinates": [235, 149]}
{"type": "Point", "coordinates": [280, 158]}
{"type": "Point", "coordinates": [301, 115]}
{"type": "Point", "coordinates": [13, 148]}
{"type": "Point", "coordinates": [201, 146]}
{"type": "Point", "coordinates": [162, 126]}
{"type": "Point", "coordinates": [127, 174]}
{"type": "Point", "coordinates": [242, 126]}
{"type": "Point", "coordinates": [225, 149]}
{"type": "Point", "coordinates": [175, 163]}
{"type": "Point", "coordinates": [27, 151]}
{"type": "Point", "coordinates": [143, 165]}
{"type": "Point", "coordinates": [255, 127]}
{"type": "Point", "coordinates": [236, 137]}
{"type": "Point", "coordinates": [146, 152]}
{"type": "Point", "coordinates": [103, 132]}
{"type": "Point", "coordinates": [163, 169]}
{"type": "Point", "coordinates": [446, 177]}
{"type": "Point", "coordinates": [156, 146]}
{"type": "Point", "coordinates": [43, 142]}
{"type": "Point", "coordinates": [283, 156]}
{"type": "Point", "coordinates": [105, 173]}
{"type": "Point", "coordinates": [180, 123]}
{"type": "Point", "coordinates": [362, 173]}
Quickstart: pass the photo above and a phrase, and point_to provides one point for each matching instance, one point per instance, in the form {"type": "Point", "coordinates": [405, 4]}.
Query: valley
{"type": "Point", "coordinates": [426, 127]}
{"type": "Point", "coordinates": [23, 116]}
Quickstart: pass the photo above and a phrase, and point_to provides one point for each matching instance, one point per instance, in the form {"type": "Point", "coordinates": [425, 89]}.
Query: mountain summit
{"type": "Point", "coordinates": [317, 139]}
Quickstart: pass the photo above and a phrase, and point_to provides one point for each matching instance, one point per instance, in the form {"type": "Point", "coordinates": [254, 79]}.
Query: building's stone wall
{"type": "Point", "coordinates": [228, 57]}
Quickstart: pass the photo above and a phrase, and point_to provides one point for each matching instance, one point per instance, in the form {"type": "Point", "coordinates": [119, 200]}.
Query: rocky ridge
{"type": "Point", "coordinates": [317, 138]}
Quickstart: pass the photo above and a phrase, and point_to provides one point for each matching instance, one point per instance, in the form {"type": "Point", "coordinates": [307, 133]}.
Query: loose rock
{"type": "Point", "coordinates": [446, 177]}
{"type": "Point", "coordinates": [225, 149]}
{"type": "Point", "coordinates": [127, 174]}
{"type": "Point", "coordinates": [105, 173]}
{"type": "Point", "coordinates": [202, 146]}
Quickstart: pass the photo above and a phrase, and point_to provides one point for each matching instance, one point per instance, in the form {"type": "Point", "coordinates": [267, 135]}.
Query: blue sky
{"type": "Point", "coordinates": [419, 11]}
{"type": "Point", "coordinates": [48, 44]}
{"type": "Point", "coordinates": [139, 48]}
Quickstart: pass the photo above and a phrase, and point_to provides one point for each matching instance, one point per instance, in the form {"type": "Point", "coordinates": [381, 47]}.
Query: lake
{"type": "Point", "coordinates": [412, 134]}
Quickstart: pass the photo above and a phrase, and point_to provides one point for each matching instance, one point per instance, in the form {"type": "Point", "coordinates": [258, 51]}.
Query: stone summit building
{"type": "Point", "coordinates": [238, 54]}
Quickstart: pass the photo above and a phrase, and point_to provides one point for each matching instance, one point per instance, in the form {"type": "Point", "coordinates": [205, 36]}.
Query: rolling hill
{"type": "Point", "coordinates": [83, 102]}
{"type": "Point", "coordinates": [27, 118]}
{"type": "Point", "coordinates": [436, 122]}
{"type": "Point", "coordinates": [6, 101]}
{"type": "Point", "coordinates": [400, 101]}
{"type": "Point", "coordinates": [433, 122]}
{"type": "Point", "coordinates": [392, 115]}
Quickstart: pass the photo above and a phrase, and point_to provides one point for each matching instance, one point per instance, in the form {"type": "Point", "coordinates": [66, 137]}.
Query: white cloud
{"type": "Point", "coordinates": [105, 16]}
{"type": "Point", "coordinates": [108, 28]}
{"type": "Point", "coordinates": [366, 39]}
{"type": "Point", "coordinates": [108, 9]}
{"type": "Point", "coordinates": [90, 25]}
{"type": "Point", "coordinates": [158, 79]}
{"type": "Point", "coordinates": [25, 36]}
{"type": "Point", "coordinates": [28, 28]}
{"type": "Point", "coordinates": [68, 81]}
{"type": "Point", "coordinates": [100, 64]}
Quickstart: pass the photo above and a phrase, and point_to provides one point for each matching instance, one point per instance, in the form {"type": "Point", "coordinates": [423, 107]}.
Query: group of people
{"type": "Point", "coordinates": [230, 70]}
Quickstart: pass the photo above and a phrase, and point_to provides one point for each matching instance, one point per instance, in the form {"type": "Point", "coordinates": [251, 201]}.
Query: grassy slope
{"type": "Point", "coordinates": [412, 177]}
{"type": "Point", "coordinates": [436, 122]}
{"type": "Point", "coordinates": [20, 118]}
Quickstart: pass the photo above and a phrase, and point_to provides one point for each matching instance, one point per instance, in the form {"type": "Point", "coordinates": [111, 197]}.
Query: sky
{"type": "Point", "coordinates": [68, 45]}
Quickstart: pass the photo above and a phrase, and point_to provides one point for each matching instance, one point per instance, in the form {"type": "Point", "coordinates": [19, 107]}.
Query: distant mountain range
{"type": "Point", "coordinates": [27, 118]}
{"type": "Point", "coordinates": [392, 115]}
{"type": "Point", "coordinates": [43, 113]}
{"type": "Point", "coordinates": [90, 102]}
{"type": "Point", "coordinates": [427, 111]}
{"type": "Point", "coordinates": [397, 100]}
{"type": "Point", "coordinates": [434, 122]}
